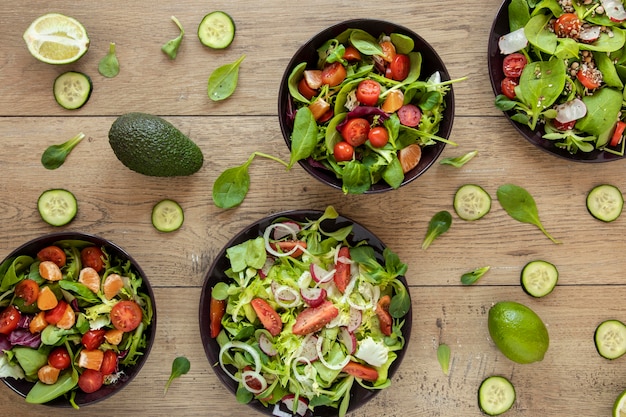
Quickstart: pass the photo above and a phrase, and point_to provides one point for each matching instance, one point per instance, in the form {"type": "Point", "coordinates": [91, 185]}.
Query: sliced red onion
{"type": "Point", "coordinates": [313, 296]}
{"type": "Point", "coordinates": [614, 9]}
{"type": "Point", "coordinates": [348, 339]}
{"type": "Point", "coordinates": [513, 41]}
{"type": "Point", "coordinates": [266, 345]}
{"type": "Point", "coordinates": [570, 111]}
{"type": "Point", "coordinates": [589, 34]}
{"type": "Point", "coordinates": [301, 407]}
{"type": "Point", "coordinates": [285, 229]}
{"type": "Point", "coordinates": [356, 316]}
{"type": "Point", "coordinates": [319, 274]}
{"type": "Point", "coordinates": [253, 375]}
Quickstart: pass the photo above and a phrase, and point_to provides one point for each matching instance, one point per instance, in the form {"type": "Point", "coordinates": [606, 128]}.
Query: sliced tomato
{"type": "Point", "coordinates": [312, 319]}
{"type": "Point", "coordinates": [342, 270]}
{"type": "Point", "coordinates": [351, 54]}
{"type": "Point", "coordinates": [378, 136]}
{"type": "Point", "coordinates": [93, 338]}
{"type": "Point", "coordinates": [109, 362]}
{"type": "Point", "coordinates": [9, 319]}
{"type": "Point", "coordinates": [507, 85]}
{"type": "Point", "coordinates": [384, 318]}
{"type": "Point", "coordinates": [59, 358]}
{"type": "Point", "coordinates": [333, 74]}
{"type": "Point", "coordinates": [389, 50]}
{"type": "Point", "coordinates": [90, 381]}
{"type": "Point", "coordinates": [52, 253]}
{"type": "Point", "coordinates": [343, 151]}
{"type": "Point", "coordinates": [410, 115]}
{"type": "Point", "coordinates": [355, 131]}
{"type": "Point", "coordinates": [400, 67]}
{"type": "Point", "coordinates": [359, 370]}
{"type": "Point", "coordinates": [288, 245]}
{"type": "Point", "coordinates": [305, 90]}
{"type": "Point", "coordinates": [126, 315]}
{"type": "Point", "coordinates": [27, 290]}
{"type": "Point", "coordinates": [618, 133]}
{"type": "Point", "coordinates": [513, 64]}
{"type": "Point", "coordinates": [93, 257]}
{"type": "Point", "coordinates": [589, 77]}
{"type": "Point", "coordinates": [367, 92]}
{"type": "Point", "coordinates": [216, 313]}
{"type": "Point", "coordinates": [54, 315]}
{"type": "Point", "coordinates": [326, 116]}
{"type": "Point", "coordinates": [567, 25]}
{"type": "Point", "coordinates": [268, 316]}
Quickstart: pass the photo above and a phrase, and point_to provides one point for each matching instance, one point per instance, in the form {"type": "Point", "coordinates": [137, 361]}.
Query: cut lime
{"type": "Point", "coordinates": [619, 408]}
{"type": "Point", "coordinates": [56, 39]}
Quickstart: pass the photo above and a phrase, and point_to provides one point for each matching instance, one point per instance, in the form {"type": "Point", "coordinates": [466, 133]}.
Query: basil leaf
{"type": "Point", "coordinates": [223, 81]}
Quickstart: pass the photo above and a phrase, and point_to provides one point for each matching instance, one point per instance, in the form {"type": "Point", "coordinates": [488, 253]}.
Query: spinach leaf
{"type": "Point", "coordinates": [14, 271]}
{"type": "Point", "coordinates": [365, 43]}
{"type": "Point", "coordinates": [109, 66]}
{"type": "Point", "coordinates": [42, 393]}
{"type": "Point", "coordinates": [438, 225]}
{"type": "Point", "coordinates": [540, 86]}
{"type": "Point", "coordinates": [471, 277]}
{"type": "Point", "coordinates": [538, 35]}
{"type": "Point", "coordinates": [608, 70]}
{"type": "Point", "coordinates": [170, 48]}
{"type": "Point", "coordinates": [603, 108]}
{"type": "Point", "coordinates": [607, 43]}
{"type": "Point", "coordinates": [223, 81]}
{"type": "Point", "coordinates": [356, 178]}
{"type": "Point", "coordinates": [404, 44]}
{"type": "Point", "coordinates": [304, 136]}
{"type": "Point", "coordinates": [459, 161]}
{"type": "Point", "coordinates": [54, 156]}
{"type": "Point", "coordinates": [521, 206]}
{"type": "Point", "coordinates": [519, 14]}
{"type": "Point", "coordinates": [294, 79]}
{"type": "Point", "coordinates": [393, 174]}
{"type": "Point", "coordinates": [180, 366]}
{"type": "Point", "coordinates": [231, 187]}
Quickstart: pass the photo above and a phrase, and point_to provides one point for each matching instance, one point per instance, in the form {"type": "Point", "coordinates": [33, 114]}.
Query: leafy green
{"type": "Point", "coordinates": [471, 277]}
{"type": "Point", "coordinates": [250, 253]}
{"type": "Point", "coordinates": [459, 161]}
{"type": "Point", "coordinates": [54, 156]}
{"type": "Point", "coordinates": [223, 80]}
{"type": "Point", "coordinates": [304, 136]}
{"type": "Point", "coordinates": [180, 366]}
{"type": "Point", "coordinates": [443, 356]}
{"type": "Point", "coordinates": [42, 393]}
{"type": "Point", "coordinates": [170, 48]}
{"type": "Point", "coordinates": [438, 225]}
{"type": "Point", "coordinates": [109, 66]}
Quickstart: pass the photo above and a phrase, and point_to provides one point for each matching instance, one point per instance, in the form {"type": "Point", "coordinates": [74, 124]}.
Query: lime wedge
{"type": "Point", "coordinates": [56, 39]}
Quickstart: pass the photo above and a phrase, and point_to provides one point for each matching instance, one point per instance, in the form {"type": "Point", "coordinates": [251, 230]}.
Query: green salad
{"type": "Point", "coordinates": [304, 315]}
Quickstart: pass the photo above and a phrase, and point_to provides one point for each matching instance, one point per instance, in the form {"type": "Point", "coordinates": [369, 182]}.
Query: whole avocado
{"type": "Point", "coordinates": [152, 146]}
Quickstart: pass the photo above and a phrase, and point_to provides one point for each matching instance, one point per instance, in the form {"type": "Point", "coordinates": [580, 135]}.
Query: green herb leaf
{"type": "Point", "coordinates": [403, 43]}
{"type": "Point", "coordinates": [304, 136]}
{"type": "Point", "coordinates": [471, 277]}
{"type": "Point", "coordinates": [443, 356]}
{"type": "Point", "coordinates": [223, 81]}
{"type": "Point", "coordinates": [231, 187]}
{"type": "Point", "coordinates": [438, 225]}
{"type": "Point", "coordinates": [180, 366]}
{"type": "Point", "coordinates": [220, 291]}
{"type": "Point", "coordinates": [171, 47]}
{"type": "Point", "coordinates": [521, 206]}
{"type": "Point", "coordinates": [109, 66]}
{"type": "Point", "coordinates": [459, 161]}
{"type": "Point", "coordinates": [55, 155]}
{"type": "Point", "coordinates": [365, 43]}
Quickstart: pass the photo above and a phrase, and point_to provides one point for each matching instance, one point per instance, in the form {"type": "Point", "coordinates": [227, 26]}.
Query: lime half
{"type": "Point", "coordinates": [619, 409]}
{"type": "Point", "coordinates": [56, 39]}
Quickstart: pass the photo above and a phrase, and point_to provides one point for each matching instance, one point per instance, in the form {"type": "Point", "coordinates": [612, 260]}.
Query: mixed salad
{"type": "Point", "coordinates": [73, 319]}
{"type": "Point", "coordinates": [304, 315]}
{"type": "Point", "coordinates": [565, 68]}
{"type": "Point", "coordinates": [365, 111]}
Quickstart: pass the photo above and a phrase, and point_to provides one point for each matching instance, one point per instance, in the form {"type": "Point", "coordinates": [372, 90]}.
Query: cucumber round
{"type": "Point", "coordinates": [471, 202]}
{"type": "Point", "coordinates": [605, 202]}
{"type": "Point", "coordinates": [167, 216]}
{"type": "Point", "coordinates": [72, 89]}
{"type": "Point", "coordinates": [496, 395]}
{"type": "Point", "coordinates": [57, 206]}
{"type": "Point", "coordinates": [217, 30]}
{"type": "Point", "coordinates": [610, 339]}
{"type": "Point", "coordinates": [539, 278]}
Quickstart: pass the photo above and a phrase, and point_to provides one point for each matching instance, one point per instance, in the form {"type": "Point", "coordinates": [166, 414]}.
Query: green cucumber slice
{"type": "Point", "coordinates": [72, 89]}
{"type": "Point", "coordinates": [496, 395]}
{"type": "Point", "coordinates": [57, 206]}
{"type": "Point", "coordinates": [471, 202]}
{"type": "Point", "coordinates": [610, 339]}
{"type": "Point", "coordinates": [217, 30]}
{"type": "Point", "coordinates": [539, 278]}
{"type": "Point", "coordinates": [605, 202]}
{"type": "Point", "coordinates": [167, 216]}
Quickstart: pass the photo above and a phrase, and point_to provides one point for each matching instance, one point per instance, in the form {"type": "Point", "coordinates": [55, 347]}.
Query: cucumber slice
{"type": "Point", "coordinates": [217, 30]}
{"type": "Point", "coordinates": [605, 202]}
{"type": "Point", "coordinates": [496, 395]}
{"type": "Point", "coordinates": [471, 202]}
{"type": "Point", "coordinates": [72, 89]}
{"type": "Point", "coordinates": [539, 278]}
{"type": "Point", "coordinates": [167, 216]}
{"type": "Point", "coordinates": [57, 206]}
{"type": "Point", "coordinates": [610, 339]}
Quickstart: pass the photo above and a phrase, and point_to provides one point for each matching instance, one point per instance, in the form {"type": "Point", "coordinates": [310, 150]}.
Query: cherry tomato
{"type": "Point", "coordinates": [92, 339]}
{"type": "Point", "coordinates": [305, 90]}
{"type": "Point", "coordinates": [410, 115]}
{"type": "Point", "coordinates": [389, 51]}
{"type": "Point", "coordinates": [508, 85]}
{"type": "Point", "coordinates": [400, 67]}
{"type": "Point", "coordinates": [28, 290]}
{"type": "Point", "coordinates": [109, 362]}
{"type": "Point", "coordinates": [326, 116]}
{"type": "Point", "coordinates": [384, 318]}
{"type": "Point", "coordinates": [343, 151]}
{"type": "Point", "coordinates": [312, 319]}
{"type": "Point", "coordinates": [355, 131]}
{"type": "Point", "coordinates": [564, 126]}
{"type": "Point", "coordinates": [126, 315]}
{"type": "Point", "coordinates": [589, 77]}
{"type": "Point", "coordinates": [368, 92]}
{"type": "Point", "coordinates": [361, 371]}
{"type": "Point", "coordinates": [90, 381]}
{"type": "Point", "coordinates": [351, 54]}
{"type": "Point", "coordinates": [216, 313]}
{"type": "Point", "coordinates": [53, 316]}
{"type": "Point", "coordinates": [9, 319]}
{"type": "Point", "coordinates": [342, 270]}
{"type": "Point", "coordinates": [378, 136]}
{"type": "Point", "coordinates": [59, 358]}
{"type": "Point", "coordinates": [93, 257]}
{"type": "Point", "coordinates": [513, 64]}
{"type": "Point", "coordinates": [54, 254]}
{"type": "Point", "coordinates": [333, 74]}
{"type": "Point", "coordinates": [616, 139]}
{"type": "Point", "coordinates": [567, 25]}
{"type": "Point", "coordinates": [268, 316]}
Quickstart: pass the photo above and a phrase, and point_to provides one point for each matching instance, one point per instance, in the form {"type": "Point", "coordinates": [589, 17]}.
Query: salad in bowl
{"type": "Point", "coordinates": [305, 313]}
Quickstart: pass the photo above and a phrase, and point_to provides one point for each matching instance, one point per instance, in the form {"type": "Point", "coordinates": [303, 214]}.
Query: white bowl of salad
{"type": "Point", "coordinates": [77, 319]}
{"type": "Point", "coordinates": [558, 73]}
{"type": "Point", "coordinates": [366, 106]}
{"type": "Point", "coordinates": [305, 313]}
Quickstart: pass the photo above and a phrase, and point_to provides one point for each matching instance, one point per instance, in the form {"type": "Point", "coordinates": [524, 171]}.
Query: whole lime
{"type": "Point", "coordinates": [518, 332]}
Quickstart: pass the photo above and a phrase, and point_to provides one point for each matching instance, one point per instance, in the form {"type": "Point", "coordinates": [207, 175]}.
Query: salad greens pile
{"type": "Point", "coordinates": [28, 337]}
{"type": "Point", "coordinates": [573, 82]}
{"type": "Point", "coordinates": [279, 364]}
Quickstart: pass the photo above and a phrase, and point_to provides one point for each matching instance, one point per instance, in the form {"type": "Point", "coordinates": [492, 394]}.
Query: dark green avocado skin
{"type": "Point", "coordinates": [152, 146]}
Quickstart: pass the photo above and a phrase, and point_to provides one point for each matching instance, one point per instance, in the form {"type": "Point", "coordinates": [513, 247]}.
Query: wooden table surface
{"type": "Point", "coordinates": [115, 202]}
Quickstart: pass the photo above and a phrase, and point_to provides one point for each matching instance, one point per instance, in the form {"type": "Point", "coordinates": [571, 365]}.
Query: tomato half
{"type": "Point", "coordinates": [567, 25]}
{"type": "Point", "coordinates": [368, 92]}
{"type": "Point", "coordinates": [268, 316]}
{"type": "Point", "coordinates": [400, 67]}
{"type": "Point", "coordinates": [53, 316]}
{"type": "Point", "coordinates": [312, 319]}
{"type": "Point", "coordinates": [90, 381]}
{"type": "Point", "coordinates": [384, 318]}
{"type": "Point", "coordinates": [410, 115]}
{"type": "Point", "coordinates": [27, 290]}
{"type": "Point", "coordinates": [59, 358]}
{"type": "Point", "coordinates": [342, 270]}
{"type": "Point", "coordinates": [93, 338]}
{"type": "Point", "coordinates": [9, 319]}
{"type": "Point", "coordinates": [513, 64]}
{"type": "Point", "coordinates": [216, 313]}
{"type": "Point", "coordinates": [93, 257]}
{"type": "Point", "coordinates": [351, 54]}
{"type": "Point", "coordinates": [343, 151]}
{"type": "Point", "coordinates": [126, 315]}
{"type": "Point", "coordinates": [54, 254]}
{"type": "Point", "coordinates": [305, 90]}
{"type": "Point", "coordinates": [333, 74]}
{"type": "Point", "coordinates": [589, 77]}
{"type": "Point", "coordinates": [109, 362]}
{"type": "Point", "coordinates": [355, 131]}
{"type": "Point", "coordinates": [508, 85]}
{"type": "Point", "coordinates": [378, 136]}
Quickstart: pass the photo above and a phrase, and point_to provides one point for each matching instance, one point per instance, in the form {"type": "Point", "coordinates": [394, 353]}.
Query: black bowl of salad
{"type": "Point", "coordinates": [558, 75]}
{"type": "Point", "coordinates": [366, 106]}
{"type": "Point", "coordinates": [77, 319]}
{"type": "Point", "coordinates": [311, 296]}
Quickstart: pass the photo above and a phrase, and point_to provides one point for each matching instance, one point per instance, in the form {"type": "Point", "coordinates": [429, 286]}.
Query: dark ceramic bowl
{"type": "Point", "coordinates": [22, 387]}
{"type": "Point", "coordinates": [359, 395]}
{"type": "Point", "coordinates": [499, 28]}
{"type": "Point", "coordinates": [431, 62]}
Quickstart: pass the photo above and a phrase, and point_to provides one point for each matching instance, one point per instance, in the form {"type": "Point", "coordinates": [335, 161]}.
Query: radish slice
{"type": "Point", "coordinates": [355, 319]}
{"type": "Point", "coordinates": [277, 412]}
{"type": "Point", "coordinates": [248, 377]}
{"type": "Point", "coordinates": [319, 274]}
{"type": "Point", "coordinates": [269, 263]}
{"type": "Point", "coordinates": [570, 111]}
{"type": "Point", "coordinates": [299, 408]}
{"type": "Point", "coordinates": [286, 229]}
{"type": "Point", "coordinates": [335, 367]}
{"type": "Point", "coordinates": [266, 345]}
{"type": "Point", "coordinates": [589, 34]}
{"type": "Point", "coordinates": [348, 339]}
{"type": "Point", "coordinates": [285, 296]}
{"type": "Point", "coordinates": [313, 296]}
{"type": "Point", "coordinates": [308, 349]}
{"type": "Point", "coordinates": [513, 42]}
{"type": "Point", "coordinates": [614, 9]}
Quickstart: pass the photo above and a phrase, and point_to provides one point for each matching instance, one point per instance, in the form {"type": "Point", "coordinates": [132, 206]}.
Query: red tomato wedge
{"type": "Point", "coordinates": [513, 65]}
{"type": "Point", "coordinates": [9, 319]}
{"type": "Point", "coordinates": [342, 270]}
{"type": "Point", "coordinates": [312, 319]}
{"type": "Point", "coordinates": [400, 67]}
{"type": "Point", "coordinates": [507, 85]}
{"type": "Point", "coordinates": [92, 257]}
{"type": "Point", "coordinates": [616, 139]}
{"type": "Point", "coordinates": [28, 290]}
{"type": "Point", "coordinates": [359, 370]}
{"type": "Point", "coordinates": [53, 316]}
{"type": "Point", "coordinates": [90, 381]}
{"type": "Point", "coordinates": [268, 316]}
{"type": "Point", "coordinates": [355, 131]}
{"type": "Point", "coordinates": [216, 312]}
